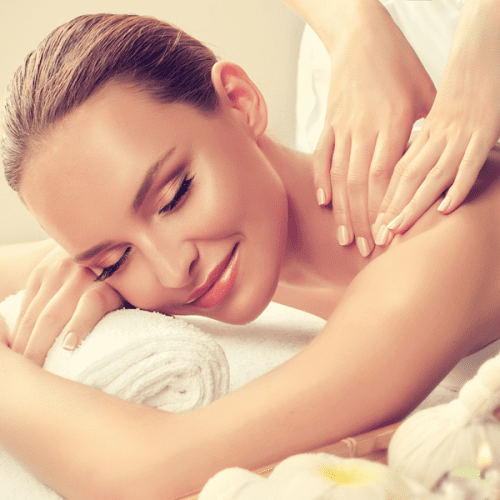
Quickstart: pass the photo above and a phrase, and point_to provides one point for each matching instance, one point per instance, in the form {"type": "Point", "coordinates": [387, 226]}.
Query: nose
{"type": "Point", "coordinates": [173, 262]}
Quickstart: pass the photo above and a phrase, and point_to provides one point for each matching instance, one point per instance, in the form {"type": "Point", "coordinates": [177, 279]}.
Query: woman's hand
{"type": "Point", "coordinates": [60, 296]}
{"type": "Point", "coordinates": [461, 128]}
{"type": "Point", "coordinates": [378, 89]}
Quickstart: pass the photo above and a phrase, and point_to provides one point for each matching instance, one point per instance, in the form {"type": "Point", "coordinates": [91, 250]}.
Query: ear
{"type": "Point", "coordinates": [237, 91]}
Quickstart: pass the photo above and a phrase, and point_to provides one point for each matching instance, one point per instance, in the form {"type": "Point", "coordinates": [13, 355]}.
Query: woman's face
{"type": "Point", "coordinates": [179, 212]}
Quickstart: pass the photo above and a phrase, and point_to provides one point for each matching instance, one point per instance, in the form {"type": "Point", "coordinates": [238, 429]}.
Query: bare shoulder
{"type": "Point", "coordinates": [452, 259]}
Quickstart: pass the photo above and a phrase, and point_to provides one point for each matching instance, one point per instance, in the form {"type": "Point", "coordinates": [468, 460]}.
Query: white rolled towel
{"type": "Point", "coordinates": [143, 357]}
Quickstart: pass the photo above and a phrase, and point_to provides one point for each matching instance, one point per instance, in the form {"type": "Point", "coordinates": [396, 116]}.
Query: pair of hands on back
{"type": "Point", "coordinates": [378, 90]}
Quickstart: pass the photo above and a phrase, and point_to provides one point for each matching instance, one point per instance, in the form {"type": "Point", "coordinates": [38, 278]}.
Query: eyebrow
{"type": "Point", "coordinates": [143, 191]}
{"type": "Point", "coordinates": [149, 179]}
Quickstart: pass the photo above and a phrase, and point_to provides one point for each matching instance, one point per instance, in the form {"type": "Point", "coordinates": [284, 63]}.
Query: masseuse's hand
{"type": "Point", "coordinates": [461, 128]}
{"type": "Point", "coordinates": [60, 296]}
{"type": "Point", "coordinates": [378, 89]}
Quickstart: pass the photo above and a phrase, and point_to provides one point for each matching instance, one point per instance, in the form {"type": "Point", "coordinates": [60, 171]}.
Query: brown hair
{"type": "Point", "coordinates": [79, 57]}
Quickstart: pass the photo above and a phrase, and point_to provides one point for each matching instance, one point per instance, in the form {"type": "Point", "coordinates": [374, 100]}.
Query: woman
{"type": "Point", "coordinates": [148, 162]}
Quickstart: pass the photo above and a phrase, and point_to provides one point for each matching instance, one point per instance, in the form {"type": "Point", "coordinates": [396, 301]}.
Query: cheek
{"type": "Point", "coordinates": [138, 285]}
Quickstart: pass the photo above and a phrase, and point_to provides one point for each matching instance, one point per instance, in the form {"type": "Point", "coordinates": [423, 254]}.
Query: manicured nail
{"type": "Point", "coordinates": [382, 235]}
{"type": "Point", "coordinates": [70, 341]}
{"type": "Point", "coordinates": [376, 226]}
{"type": "Point", "coordinates": [320, 195]}
{"type": "Point", "coordinates": [343, 235]}
{"type": "Point", "coordinates": [396, 222]}
{"type": "Point", "coordinates": [445, 204]}
{"type": "Point", "coordinates": [363, 247]}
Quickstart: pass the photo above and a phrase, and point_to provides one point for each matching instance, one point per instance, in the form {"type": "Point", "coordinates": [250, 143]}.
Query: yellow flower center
{"type": "Point", "coordinates": [348, 476]}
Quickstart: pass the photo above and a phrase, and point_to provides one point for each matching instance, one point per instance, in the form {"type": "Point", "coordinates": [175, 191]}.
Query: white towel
{"type": "Point", "coordinates": [143, 357]}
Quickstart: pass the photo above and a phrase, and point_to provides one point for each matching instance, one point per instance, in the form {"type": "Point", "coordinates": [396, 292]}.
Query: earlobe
{"type": "Point", "coordinates": [237, 91]}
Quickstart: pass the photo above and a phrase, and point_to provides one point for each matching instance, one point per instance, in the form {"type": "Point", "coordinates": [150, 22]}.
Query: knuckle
{"type": "Point", "coordinates": [380, 173]}
{"type": "Point", "coordinates": [51, 317]}
{"type": "Point", "coordinates": [102, 298]}
{"type": "Point", "coordinates": [411, 173]}
{"type": "Point", "coordinates": [341, 213]}
{"type": "Point", "coordinates": [391, 213]}
{"type": "Point", "coordinates": [337, 173]}
{"type": "Point", "coordinates": [401, 167]}
{"type": "Point", "coordinates": [63, 266]}
{"type": "Point", "coordinates": [28, 321]}
{"type": "Point", "coordinates": [436, 173]}
{"type": "Point", "coordinates": [356, 183]}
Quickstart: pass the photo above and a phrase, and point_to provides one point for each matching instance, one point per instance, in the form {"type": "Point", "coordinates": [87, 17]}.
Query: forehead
{"type": "Point", "coordinates": [95, 158]}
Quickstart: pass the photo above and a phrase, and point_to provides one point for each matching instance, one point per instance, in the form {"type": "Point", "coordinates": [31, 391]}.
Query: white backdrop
{"type": "Point", "coordinates": [260, 35]}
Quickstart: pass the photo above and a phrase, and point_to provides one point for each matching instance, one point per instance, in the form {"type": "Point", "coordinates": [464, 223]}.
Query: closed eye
{"type": "Point", "coordinates": [107, 272]}
{"type": "Point", "coordinates": [181, 192]}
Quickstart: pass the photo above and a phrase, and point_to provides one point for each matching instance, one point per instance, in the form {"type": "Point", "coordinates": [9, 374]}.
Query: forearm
{"type": "Point", "coordinates": [477, 33]}
{"type": "Point", "coordinates": [17, 261]}
{"type": "Point", "coordinates": [80, 441]}
{"type": "Point", "coordinates": [329, 18]}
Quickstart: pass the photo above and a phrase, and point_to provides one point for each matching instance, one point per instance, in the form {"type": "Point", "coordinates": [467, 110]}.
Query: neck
{"type": "Point", "coordinates": [313, 257]}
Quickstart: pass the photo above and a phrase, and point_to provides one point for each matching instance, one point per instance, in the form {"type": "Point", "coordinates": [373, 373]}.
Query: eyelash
{"type": "Point", "coordinates": [107, 272]}
{"type": "Point", "coordinates": [181, 192]}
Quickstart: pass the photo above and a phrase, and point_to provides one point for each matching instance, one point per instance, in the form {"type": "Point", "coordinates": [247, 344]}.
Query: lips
{"type": "Point", "coordinates": [218, 283]}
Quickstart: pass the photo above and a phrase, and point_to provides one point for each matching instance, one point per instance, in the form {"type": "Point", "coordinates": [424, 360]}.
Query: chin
{"type": "Point", "coordinates": [245, 305]}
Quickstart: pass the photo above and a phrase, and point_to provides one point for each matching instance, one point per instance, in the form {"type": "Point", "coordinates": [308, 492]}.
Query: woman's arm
{"type": "Point", "coordinates": [403, 323]}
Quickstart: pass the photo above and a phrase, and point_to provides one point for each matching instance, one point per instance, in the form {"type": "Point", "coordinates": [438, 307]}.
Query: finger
{"type": "Point", "coordinates": [385, 157]}
{"type": "Point", "coordinates": [417, 145]}
{"type": "Point", "coordinates": [49, 312]}
{"type": "Point", "coordinates": [437, 181]}
{"type": "Point", "coordinates": [410, 175]}
{"type": "Point", "coordinates": [340, 200]}
{"type": "Point", "coordinates": [32, 289]}
{"type": "Point", "coordinates": [92, 307]}
{"type": "Point", "coordinates": [322, 161]}
{"type": "Point", "coordinates": [357, 190]}
{"type": "Point", "coordinates": [413, 174]}
{"type": "Point", "coordinates": [27, 321]}
{"type": "Point", "coordinates": [470, 166]}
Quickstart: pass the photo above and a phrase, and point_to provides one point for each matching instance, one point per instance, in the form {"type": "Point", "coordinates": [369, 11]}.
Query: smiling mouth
{"type": "Point", "coordinates": [218, 284]}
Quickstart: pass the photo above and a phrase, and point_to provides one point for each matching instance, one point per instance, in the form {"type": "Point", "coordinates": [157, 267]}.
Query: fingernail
{"type": "Point", "coordinates": [376, 226]}
{"type": "Point", "coordinates": [395, 223]}
{"type": "Point", "coordinates": [382, 235]}
{"type": "Point", "coordinates": [70, 341]}
{"type": "Point", "coordinates": [320, 195]}
{"type": "Point", "coordinates": [343, 235]}
{"type": "Point", "coordinates": [363, 247]}
{"type": "Point", "coordinates": [444, 204]}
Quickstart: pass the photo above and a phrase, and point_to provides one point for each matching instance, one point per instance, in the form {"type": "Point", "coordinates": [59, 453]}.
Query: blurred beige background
{"type": "Point", "coordinates": [261, 35]}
